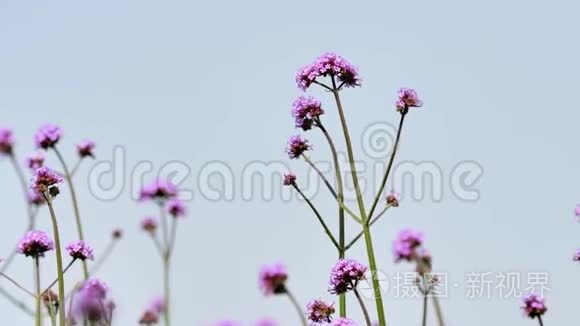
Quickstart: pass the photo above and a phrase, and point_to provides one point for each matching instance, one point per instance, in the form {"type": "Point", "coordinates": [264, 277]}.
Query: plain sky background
{"type": "Point", "coordinates": [202, 81]}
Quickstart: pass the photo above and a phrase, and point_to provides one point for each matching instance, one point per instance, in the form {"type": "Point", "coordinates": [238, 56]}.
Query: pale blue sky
{"type": "Point", "coordinates": [203, 81]}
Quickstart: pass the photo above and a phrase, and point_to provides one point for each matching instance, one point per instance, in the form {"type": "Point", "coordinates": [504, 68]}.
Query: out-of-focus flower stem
{"type": "Point", "coordinates": [297, 307]}
{"type": "Point", "coordinates": [56, 281]}
{"type": "Point", "coordinates": [423, 270]}
{"type": "Point", "coordinates": [373, 221]}
{"type": "Point", "coordinates": [38, 317]}
{"type": "Point", "coordinates": [68, 177]}
{"type": "Point", "coordinates": [363, 307]}
{"type": "Point", "coordinates": [104, 256]}
{"type": "Point", "coordinates": [540, 320]}
{"type": "Point", "coordinates": [11, 280]}
{"type": "Point", "coordinates": [59, 264]}
{"type": "Point", "coordinates": [366, 230]}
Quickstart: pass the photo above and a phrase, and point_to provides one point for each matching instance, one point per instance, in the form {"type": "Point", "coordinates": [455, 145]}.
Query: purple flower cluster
{"type": "Point", "coordinates": [35, 161]}
{"type": "Point", "coordinates": [328, 64]}
{"type": "Point", "coordinates": [393, 198]}
{"type": "Point", "coordinates": [406, 243]}
{"type": "Point", "coordinates": [175, 208]}
{"type": "Point", "coordinates": [345, 275]}
{"type": "Point", "coordinates": [47, 136]}
{"type": "Point", "coordinates": [343, 322]}
{"type": "Point", "coordinates": [86, 148]}
{"type": "Point", "coordinates": [289, 179]}
{"type": "Point", "coordinates": [91, 303]}
{"type": "Point", "coordinates": [305, 110]}
{"type": "Point", "coordinates": [272, 279]}
{"type": "Point", "coordinates": [149, 224]}
{"type": "Point", "coordinates": [296, 146]}
{"type": "Point", "coordinates": [408, 98]}
{"type": "Point", "coordinates": [533, 305]}
{"type": "Point", "coordinates": [80, 250]}
{"type": "Point", "coordinates": [44, 179]}
{"type": "Point", "coordinates": [153, 311]}
{"type": "Point", "coordinates": [35, 244]}
{"type": "Point", "coordinates": [577, 255]}
{"type": "Point", "coordinates": [158, 190]}
{"type": "Point", "coordinates": [6, 141]}
{"type": "Point", "coordinates": [319, 311]}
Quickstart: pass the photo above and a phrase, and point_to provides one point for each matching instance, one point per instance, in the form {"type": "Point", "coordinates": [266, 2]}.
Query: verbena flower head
{"type": "Point", "coordinates": [50, 300]}
{"type": "Point", "coordinates": [35, 244]}
{"type": "Point", "coordinates": [6, 141]}
{"type": "Point", "coordinates": [319, 311]}
{"type": "Point", "coordinates": [272, 279]}
{"type": "Point", "coordinates": [289, 179]}
{"type": "Point", "coordinates": [305, 110]}
{"type": "Point", "coordinates": [86, 148]}
{"type": "Point", "coordinates": [80, 250]}
{"type": "Point", "coordinates": [577, 255]}
{"type": "Point", "coordinates": [149, 224]}
{"type": "Point", "coordinates": [408, 98]}
{"type": "Point", "coordinates": [44, 179]}
{"type": "Point", "coordinates": [343, 322]}
{"type": "Point", "coordinates": [328, 64]}
{"type": "Point", "coordinates": [91, 301]}
{"type": "Point", "coordinates": [158, 190]}
{"type": "Point", "coordinates": [35, 161]}
{"type": "Point", "coordinates": [345, 275]}
{"type": "Point", "coordinates": [47, 136]}
{"type": "Point", "coordinates": [34, 198]}
{"type": "Point", "coordinates": [406, 243]}
{"type": "Point", "coordinates": [176, 207]}
{"type": "Point", "coordinates": [149, 318]}
{"type": "Point", "coordinates": [533, 305]}
{"type": "Point", "coordinates": [266, 322]}
{"type": "Point", "coordinates": [157, 305]}
{"type": "Point", "coordinates": [296, 146]}
{"type": "Point", "coordinates": [393, 198]}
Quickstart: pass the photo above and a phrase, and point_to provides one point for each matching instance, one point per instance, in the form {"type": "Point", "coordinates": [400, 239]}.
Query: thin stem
{"type": "Point", "coordinates": [38, 294]}
{"type": "Point", "coordinates": [166, 287]}
{"type": "Point", "coordinates": [373, 221]}
{"type": "Point", "coordinates": [19, 304]}
{"type": "Point", "coordinates": [163, 225]}
{"type": "Point", "coordinates": [172, 236]}
{"type": "Point", "coordinates": [297, 307]}
{"type": "Point", "coordinates": [375, 281]}
{"type": "Point", "coordinates": [425, 298]}
{"type": "Point", "coordinates": [59, 264]}
{"type": "Point", "coordinates": [23, 184]}
{"type": "Point", "coordinates": [103, 257]}
{"type": "Point", "coordinates": [63, 272]}
{"type": "Point", "coordinates": [363, 307]}
{"type": "Point", "coordinates": [389, 167]}
{"type": "Point", "coordinates": [320, 219]}
{"type": "Point", "coordinates": [11, 280]}
{"type": "Point", "coordinates": [75, 204]}
{"type": "Point", "coordinates": [438, 311]}
{"type": "Point", "coordinates": [540, 320]}
{"type": "Point", "coordinates": [76, 167]}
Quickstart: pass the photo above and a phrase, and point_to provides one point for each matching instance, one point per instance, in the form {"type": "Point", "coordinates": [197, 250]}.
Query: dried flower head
{"type": "Point", "coordinates": [44, 179]}
{"type": "Point", "coordinates": [6, 141]}
{"type": "Point", "coordinates": [35, 161]}
{"type": "Point", "coordinates": [80, 250]}
{"type": "Point", "coordinates": [319, 311]}
{"type": "Point", "coordinates": [408, 98]}
{"type": "Point", "coordinates": [345, 275]}
{"type": "Point", "coordinates": [289, 179]}
{"type": "Point", "coordinates": [406, 243]}
{"type": "Point", "coordinates": [86, 148]}
{"type": "Point", "coordinates": [47, 136]}
{"type": "Point", "coordinates": [272, 279]}
{"type": "Point", "coordinates": [149, 224]}
{"type": "Point", "coordinates": [331, 65]}
{"type": "Point", "coordinates": [296, 146]}
{"type": "Point", "coordinates": [393, 198]}
{"type": "Point", "coordinates": [533, 305]}
{"type": "Point", "coordinates": [50, 300]}
{"type": "Point", "coordinates": [305, 110]}
{"type": "Point", "coordinates": [34, 244]}
{"type": "Point", "coordinates": [175, 208]}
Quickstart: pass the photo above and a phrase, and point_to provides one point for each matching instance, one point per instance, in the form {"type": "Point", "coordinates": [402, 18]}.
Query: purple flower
{"type": "Point", "coordinates": [272, 279]}
{"type": "Point", "coordinates": [266, 322]}
{"type": "Point", "coordinates": [34, 198]}
{"type": "Point", "coordinates": [345, 275]}
{"type": "Point", "coordinates": [149, 318]}
{"type": "Point", "coordinates": [296, 146]}
{"type": "Point", "coordinates": [175, 208]}
{"type": "Point", "coordinates": [533, 305]}
{"type": "Point", "coordinates": [406, 243]}
{"type": "Point", "coordinates": [393, 198]}
{"type": "Point", "coordinates": [47, 136]}
{"type": "Point", "coordinates": [577, 211]}
{"type": "Point", "coordinates": [305, 110]}
{"type": "Point", "coordinates": [408, 98]}
{"type": "Point", "coordinates": [289, 179]}
{"type": "Point", "coordinates": [227, 323]}
{"type": "Point", "coordinates": [80, 250]}
{"type": "Point", "coordinates": [319, 311]}
{"type": "Point", "coordinates": [343, 322]}
{"type": "Point", "coordinates": [35, 244]}
{"type": "Point", "coordinates": [86, 148]}
{"type": "Point", "coordinates": [149, 224]}
{"type": "Point", "coordinates": [328, 64]}
{"type": "Point", "coordinates": [159, 190]}
{"type": "Point", "coordinates": [91, 301]}
{"type": "Point", "coordinates": [35, 161]}
{"type": "Point", "coordinates": [6, 141]}
{"type": "Point", "coordinates": [44, 179]}
{"type": "Point", "coordinates": [577, 255]}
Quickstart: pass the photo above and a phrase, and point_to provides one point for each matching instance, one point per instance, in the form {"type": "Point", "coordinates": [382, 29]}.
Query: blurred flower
{"type": "Point", "coordinates": [266, 322]}
{"type": "Point", "coordinates": [80, 250]}
{"type": "Point", "coordinates": [159, 190]}
{"type": "Point", "coordinates": [34, 198]}
{"type": "Point", "coordinates": [289, 179]}
{"type": "Point", "coordinates": [47, 136]}
{"type": "Point", "coordinates": [149, 318]}
{"type": "Point", "coordinates": [408, 98]}
{"type": "Point", "coordinates": [272, 279]}
{"type": "Point", "coordinates": [227, 323]}
{"type": "Point", "coordinates": [577, 211]}
{"type": "Point", "coordinates": [157, 305]}
{"type": "Point", "coordinates": [86, 148]}
{"type": "Point", "coordinates": [328, 64]}
{"type": "Point", "coordinates": [393, 198]}
{"type": "Point", "coordinates": [577, 255]}
{"type": "Point", "coordinates": [297, 146]}
{"type": "Point", "coordinates": [305, 110]}
{"type": "Point", "coordinates": [533, 305]}
{"type": "Point", "coordinates": [343, 322]}
{"type": "Point", "coordinates": [6, 141]}
{"type": "Point", "coordinates": [90, 302]}
{"type": "Point", "coordinates": [117, 233]}
{"type": "Point", "coordinates": [50, 300]}
{"type": "Point", "coordinates": [35, 161]}
{"type": "Point", "coordinates": [175, 207]}
{"type": "Point", "coordinates": [345, 275]}
{"type": "Point", "coordinates": [149, 224]}
{"type": "Point", "coordinates": [319, 311]}
{"type": "Point", "coordinates": [35, 244]}
{"type": "Point", "coordinates": [406, 243]}
{"type": "Point", "coordinates": [44, 179]}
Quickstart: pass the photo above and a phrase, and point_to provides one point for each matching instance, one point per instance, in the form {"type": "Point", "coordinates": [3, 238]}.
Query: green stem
{"type": "Point", "coordinates": [438, 311]}
{"type": "Point", "coordinates": [166, 287]}
{"type": "Point", "coordinates": [38, 316]}
{"type": "Point", "coordinates": [425, 297]}
{"type": "Point", "coordinates": [11, 280]}
{"type": "Point", "coordinates": [75, 204]}
{"type": "Point", "coordinates": [103, 257]}
{"type": "Point", "coordinates": [363, 307]}
{"type": "Point", "coordinates": [373, 221]}
{"type": "Point", "coordinates": [297, 307]}
{"type": "Point", "coordinates": [63, 272]}
{"type": "Point", "coordinates": [59, 264]}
